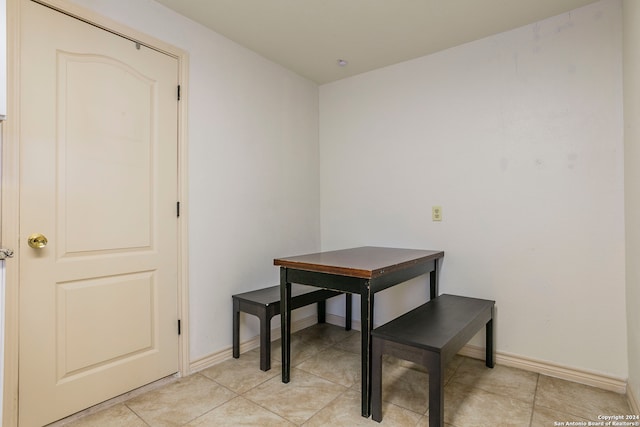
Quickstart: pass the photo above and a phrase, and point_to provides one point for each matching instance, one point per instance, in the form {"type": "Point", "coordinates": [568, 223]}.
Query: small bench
{"type": "Point", "coordinates": [265, 303]}
{"type": "Point", "coordinates": [430, 335]}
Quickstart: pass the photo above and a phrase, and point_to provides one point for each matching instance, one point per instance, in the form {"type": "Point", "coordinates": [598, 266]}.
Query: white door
{"type": "Point", "coordinates": [98, 179]}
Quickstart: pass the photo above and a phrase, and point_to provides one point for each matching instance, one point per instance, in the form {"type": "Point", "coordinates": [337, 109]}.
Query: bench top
{"type": "Point", "coordinates": [271, 295]}
{"type": "Point", "coordinates": [434, 324]}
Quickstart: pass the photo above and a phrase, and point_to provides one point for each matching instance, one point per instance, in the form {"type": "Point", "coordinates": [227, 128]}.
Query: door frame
{"type": "Point", "coordinates": [9, 215]}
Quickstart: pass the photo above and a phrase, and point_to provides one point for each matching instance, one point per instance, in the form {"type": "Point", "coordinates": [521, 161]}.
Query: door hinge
{"type": "Point", "coordinates": [178, 92]}
{"type": "Point", "coordinates": [178, 209]}
{"type": "Point", "coordinates": [179, 329]}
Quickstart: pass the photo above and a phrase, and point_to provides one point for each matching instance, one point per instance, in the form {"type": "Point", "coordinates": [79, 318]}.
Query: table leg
{"type": "Point", "coordinates": [236, 328]}
{"type": "Point", "coordinates": [366, 320]}
{"type": "Point", "coordinates": [433, 280]}
{"type": "Point", "coordinates": [490, 354]}
{"type": "Point", "coordinates": [285, 323]}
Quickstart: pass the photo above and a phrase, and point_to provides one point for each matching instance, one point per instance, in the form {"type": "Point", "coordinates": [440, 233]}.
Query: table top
{"type": "Point", "coordinates": [366, 262]}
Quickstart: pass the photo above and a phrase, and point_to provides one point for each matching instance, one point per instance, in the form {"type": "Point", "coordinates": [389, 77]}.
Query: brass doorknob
{"type": "Point", "coordinates": [37, 241]}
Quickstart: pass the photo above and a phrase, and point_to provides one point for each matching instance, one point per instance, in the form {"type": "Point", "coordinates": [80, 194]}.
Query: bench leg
{"type": "Point", "coordinates": [265, 341]}
{"type": "Point", "coordinates": [347, 314]}
{"type": "Point", "coordinates": [490, 356]}
{"type": "Point", "coordinates": [436, 390]}
{"type": "Point", "coordinates": [322, 311]}
{"type": "Point", "coordinates": [376, 380]}
{"type": "Point", "coordinates": [236, 328]}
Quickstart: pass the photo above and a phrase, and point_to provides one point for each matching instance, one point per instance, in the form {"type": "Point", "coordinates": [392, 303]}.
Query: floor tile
{"type": "Point", "coordinates": [424, 422]}
{"type": "Point", "coordinates": [450, 368]}
{"type": "Point", "coordinates": [332, 334]}
{"type": "Point", "coordinates": [352, 344]}
{"type": "Point", "coordinates": [115, 416]}
{"type": "Point", "coordinates": [545, 417]}
{"type": "Point", "coordinates": [345, 411]}
{"type": "Point", "coordinates": [325, 391]}
{"type": "Point", "coordinates": [503, 380]}
{"type": "Point", "coordinates": [240, 412]}
{"type": "Point", "coordinates": [579, 400]}
{"type": "Point", "coordinates": [298, 400]}
{"type": "Point", "coordinates": [300, 350]}
{"type": "Point", "coordinates": [310, 341]}
{"type": "Point", "coordinates": [180, 402]}
{"type": "Point", "coordinates": [466, 406]}
{"type": "Point", "coordinates": [244, 373]}
{"type": "Point", "coordinates": [335, 365]}
{"type": "Point", "coordinates": [393, 367]}
{"type": "Point", "coordinates": [404, 386]}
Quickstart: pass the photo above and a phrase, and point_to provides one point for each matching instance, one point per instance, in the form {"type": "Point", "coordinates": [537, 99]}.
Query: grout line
{"type": "Point", "coordinates": [455, 371]}
{"type": "Point", "coordinates": [533, 403]}
{"type": "Point", "coordinates": [135, 413]}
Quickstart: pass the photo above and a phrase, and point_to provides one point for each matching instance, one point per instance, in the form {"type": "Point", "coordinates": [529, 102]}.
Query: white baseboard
{"type": "Point", "coordinates": [605, 382]}
{"type": "Point", "coordinates": [633, 401]}
{"type": "Point", "coordinates": [334, 319]}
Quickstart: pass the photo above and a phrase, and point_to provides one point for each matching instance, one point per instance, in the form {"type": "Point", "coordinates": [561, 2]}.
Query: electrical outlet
{"type": "Point", "coordinates": [436, 213]}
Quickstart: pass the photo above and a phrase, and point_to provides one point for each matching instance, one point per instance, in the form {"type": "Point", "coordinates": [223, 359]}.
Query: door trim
{"type": "Point", "coordinates": [10, 225]}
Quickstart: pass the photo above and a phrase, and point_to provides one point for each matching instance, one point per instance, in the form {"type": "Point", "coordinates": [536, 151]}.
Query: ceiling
{"type": "Point", "coordinates": [310, 36]}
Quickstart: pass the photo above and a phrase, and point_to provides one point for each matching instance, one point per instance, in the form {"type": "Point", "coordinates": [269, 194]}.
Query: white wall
{"type": "Point", "coordinates": [632, 184]}
{"type": "Point", "coordinates": [253, 167]}
{"type": "Point", "coordinates": [519, 138]}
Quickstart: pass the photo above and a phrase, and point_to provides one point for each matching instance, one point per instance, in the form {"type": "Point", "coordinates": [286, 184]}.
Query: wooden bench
{"type": "Point", "coordinates": [430, 335]}
{"type": "Point", "coordinates": [265, 303]}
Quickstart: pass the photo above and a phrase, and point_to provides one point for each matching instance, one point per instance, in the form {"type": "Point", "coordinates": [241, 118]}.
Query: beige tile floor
{"type": "Point", "coordinates": [325, 391]}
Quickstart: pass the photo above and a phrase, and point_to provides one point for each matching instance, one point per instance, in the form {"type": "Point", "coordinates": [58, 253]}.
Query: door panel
{"type": "Point", "coordinates": [93, 152]}
{"type": "Point", "coordinates": [90, 332]}
{"type": "Point", "coordinates": [98, 177]}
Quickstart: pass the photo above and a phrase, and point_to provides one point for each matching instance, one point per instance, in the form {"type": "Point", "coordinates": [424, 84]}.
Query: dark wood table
{"type": "Point", "coordinates": [363, 271]}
